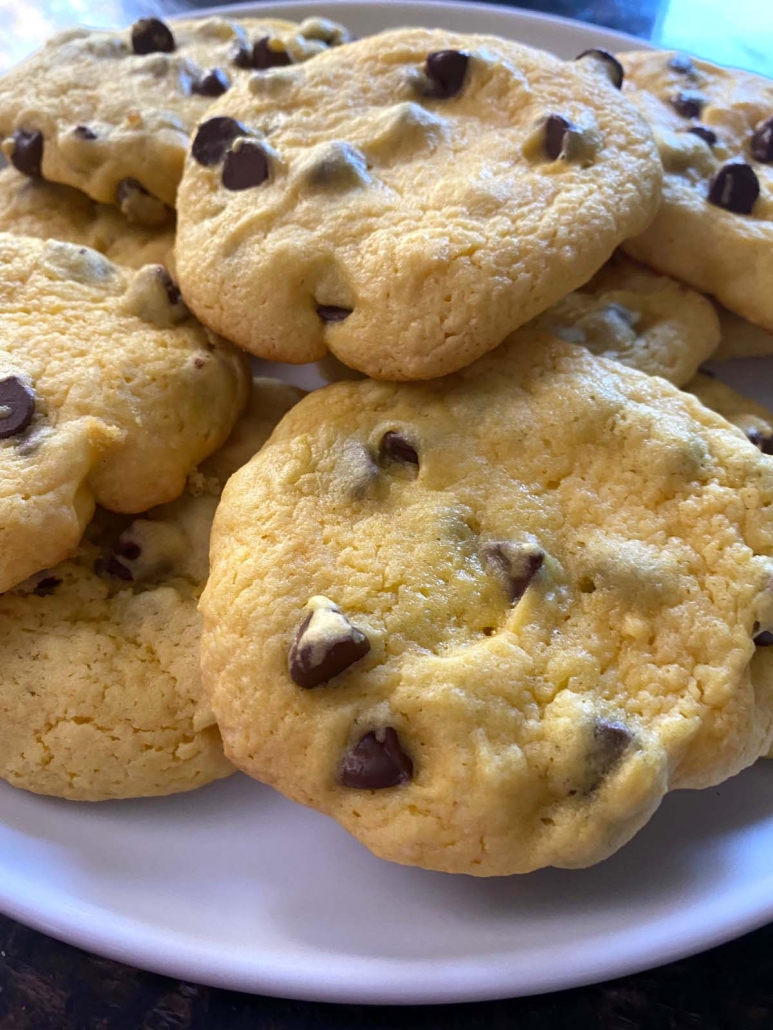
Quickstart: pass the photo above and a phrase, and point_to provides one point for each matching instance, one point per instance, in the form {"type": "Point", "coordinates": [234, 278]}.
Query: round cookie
{"type": "Point", "coordinates": [407, 200]}
{"type": "Point", "coordinates": [647, 321]}
{"type": "Point", "coordinates": [110, 112]}
{"type": "Point", "coordinates": [487, 622]}
{"type": "Point", "coordinates": [714, 129]}
{"type": "Point", "coordinates": [101, 693]}
{"type": "Point", "coordinates": [752, 418]}
{"type": "Point", "coordinates": [741, 339]}
{"type": "Point", "coordinates": [32, 207]}
{"type": "Point", "coordinates": [110, 393]}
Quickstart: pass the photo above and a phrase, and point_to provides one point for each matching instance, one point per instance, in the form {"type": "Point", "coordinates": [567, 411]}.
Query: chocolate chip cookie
{"type": "Point", "coordinates": [110, 392]}
{"type": "Point", "coordinates": [407, 200]}
{"type": "Point", "coordinates": [32, 207]}
{"type": "Point", "coordinates": [647, 321]}
{"type": "Point", "coordinates": [101, 694]}
{"type": "Point", "coordinates": [111, 112]}
{"type": "Point", "coordinates": [486, 622]}
{"type": "Point", "coordinates": [753, 419]}
{"type": "Point", "coordinates": [714, 128]}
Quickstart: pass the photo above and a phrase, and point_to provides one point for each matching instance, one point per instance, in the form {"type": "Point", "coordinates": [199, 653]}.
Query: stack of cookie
{"type": "Point", "coordinates": [491, 596]}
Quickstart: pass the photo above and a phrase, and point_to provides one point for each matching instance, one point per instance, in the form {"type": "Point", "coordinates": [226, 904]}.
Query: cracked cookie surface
{"type": "Point", "coordinates": [487, 622]}
{"type": "Point", "coordinates": [407, 200]}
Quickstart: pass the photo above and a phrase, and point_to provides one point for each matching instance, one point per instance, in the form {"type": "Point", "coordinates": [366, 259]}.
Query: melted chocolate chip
{"type": "Point", "coordinates": [171, 287]}
{"type": "Point", "coordinates": [395, 447]}
{"type": "Point", "coordinates": [84, 132]}
{"type": "Point", "coordinates": [325, 645]}
{"type": "Point", "coordinates": [557, 130]}
{"type": "Point", "coordinates": [764, 639]}
{"type": "Point", "coordinates": [376, 762]}
{"type": "Point", "coordinates": [688, 103]}
{"type": "Point", "coordinates": [682, 63]}
{"type": "Point", "coordinates": [330, 313]}
{"type": "Point", "coordinates": [264, 56]}
{"type": "Point", "coordinates": [245, 166]}
{"type": "Point", "coordinates": [445, 72]}
{"type": "Point", "coordinates": [112, 567]}
{"type": "Point", "coordinates": [762, 142]}
{"type": "Point", "coordinates": [610, 63]}
{"type": "Point", "coordinates": [515, 565]}
{"type": "Point", "coordinates": [126, 548]}
{"type": "Point", "coordinates": [213, 83]}
{"type": "Point", "coordinates": [152, 36]}
{"type": "Point", "coordinates": [735, 188]}
{"type": "Point", "coordinates": [17, 406]}
{"type": "Point", "coordinates": [47, 586]}
{"type": "Point", "coordinates": [241, 55]}
{"type": "Point", "coordinates": [761, 439]}
{"type": "Point", "coordinates": [610, 742]}
{"type": "Point", "coordinates": [213, 139]}
{"type": "Point", "coordinates": [27, 156]}
{"type": "Point", "coordinates": [705, 133]}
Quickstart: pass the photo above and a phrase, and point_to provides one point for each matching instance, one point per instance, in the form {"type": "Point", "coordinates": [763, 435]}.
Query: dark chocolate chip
{"type": "Point", "coordinates": [330, 313]}
{"type": "Point", "coordinates": [214, 137]}
{"type": "Point", "coordinates": [213, 83]}
{"type": "Point", "coordinates": [395, 447]}
{"type": "Point", "coordinates": [445, 71]}
{"type": "Point", "coordinates": [171, 287]}
{"type": "Point", "coordinates": [705, 133]}
{"type": "Point", "coordinates": [264, 56]}
{"type": "Point", "coordinates": [376, 762]}
{"type": "Point", "coordinates": [557, 128]}
{"type": "Point", "coordinates": [735, 188]}
{"type": "Point", "coordinates": [17, 406]}
{"type": "Point", "coordinates": [613, 67]}
{"type": "Point", "coordinates": [27, 156]}
{"type": "Point", "coordinates": [46, 587]}
{"type": "Point", "coordinates": [245, 166]}
{"type": "Point", "coordinates": [241, 55]}
{"type": "Point", "coordinates": [762, 142]}
{"type": "Point", "coordinates": [128, 549]}
{"type": "Point", "coordinates": [761, 439]}
{"type": "Point", "coordinates": [688, 103]}
{"type": "Point", "coordinates": [610, 742]}
{"type": "Point", "coordinates": [682, 63]}
{"type": "Point", "coordinates": [764, 639]}
{"type": "Point", "coordinates": [325, 645]}
{"type": "Point", "coordinates": [515, 565]}
{"type": "Point", "coordinates": [84, 132]}
{"type": "Point", "coordinates": [110, 566]}
{"type": "Point", "coordinates": [152, 36]}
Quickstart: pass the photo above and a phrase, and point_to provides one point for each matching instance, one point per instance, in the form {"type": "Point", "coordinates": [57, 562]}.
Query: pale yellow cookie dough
{"type": "Point", "coordinates": [650, 322]}
{"type": "Point", "coordinates": [520, 601]}
{"type": "Point", "coordinates": [110, 393]}
{"type": "Point", "coordinates": [100, 695]}
{"type": "Point", "coordinates": [726, 254]}
{"type": "Point", "coordinates": [406, 232]}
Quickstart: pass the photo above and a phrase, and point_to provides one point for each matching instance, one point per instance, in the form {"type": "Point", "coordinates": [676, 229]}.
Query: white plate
{"type": "Point", "coordinates": [237, 887]}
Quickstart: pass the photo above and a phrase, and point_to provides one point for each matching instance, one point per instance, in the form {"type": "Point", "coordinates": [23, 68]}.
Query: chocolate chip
{"type": "Point", "coordinates": [47, 586]}
{"type": "Point", "coordinates": [214, 137]}
{"type": "Point", "coordinates": [330, 313]}
{"type": "Point", "coordinates": [610, 742]}
{"type": "Point", "coordinates": [395, 447]}
{"type": "Point", "coordinates": [609, 62]}
{"type": "Point", "coordinates": [764, 639]}
{"type": "Point", "coordinates": [705, 133]}
{"type": "Point", "coordinates": [445, 72]}
{"type": "Point", "coordinates": [688, 103]}
{"type": "Point", "coordinates": [152, 36]}
{"type": "Point", "coordinates": [762, 142]}
{"type": "Point", "coordinates": [557, 131]}
{"type": "Point", "coordinates": [516, 565]}
{"type": "Point", "coordinates": [264, 56]}
{"type": "Point", "coordinates": [17, 406]}
{"type": "Point", "coordinates": [325, 645]}
{"type": "Point", "coordinates": [213, 83]}
{"type": "Point", "coordinates": [761, 439]}
{"type": "Point", "coordinates": [245, 166]}
{"type": "Point", "coordinates": [735, 188]}
{"type": "Point", "coordinates": [682, 63]}
{"type": "Point", "coordinates": [128, 549]}
{"type": "Point", "coordinates": [376, 762]}
{"type": "Point", "coordinates": [84, 132]}
{"type": "Point", "coordinates": [110, 566]}
{"type": "Point", "coordinates": [27, 156]}
{"type": "Point", "coordinates": [171, 287]}
{"type": "Point", "coordinates": [241, 55]}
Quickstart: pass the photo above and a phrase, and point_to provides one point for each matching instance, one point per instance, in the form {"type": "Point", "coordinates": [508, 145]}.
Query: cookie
{"type": "Point", "coordinates": [101, 694]}
{"type": "Point", "coordinates": [110, 112]}
{"type": "Point", "coordinates": [647, 321]}
{"type": "Point", "coordinates": [407, 200]}
{"type": "Point", "coordinates": [487, 622]}
{"type": "Point", "coordinates": [110, 392]}
{"type": "Point", "coordinates": [714, 128]}
{"type": "Point", "coordinates": [31, 207]}
{"type": "Point", "coordinates": [753, 419]}
{"type": "Point", "coordinates": [741, 339]}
